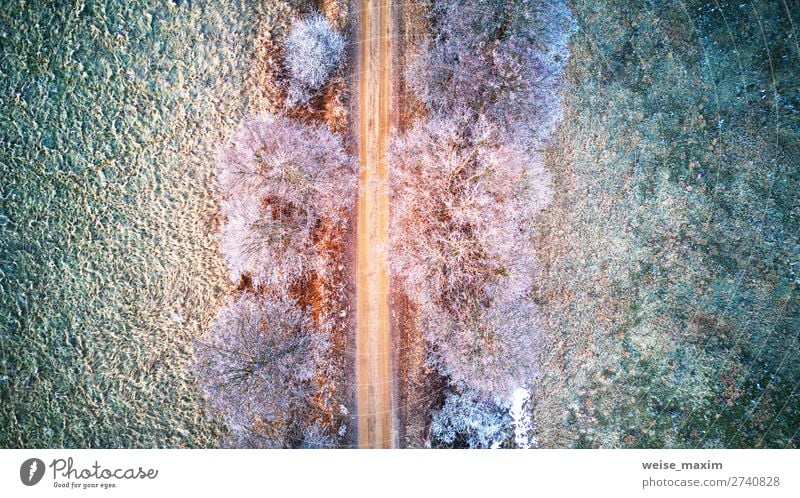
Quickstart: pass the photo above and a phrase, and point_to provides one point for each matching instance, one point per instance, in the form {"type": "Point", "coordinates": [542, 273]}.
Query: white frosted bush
{"type": "Point", "coordinates": [464, 420]}
{"type": "Point", "coordinates": [313, 52]}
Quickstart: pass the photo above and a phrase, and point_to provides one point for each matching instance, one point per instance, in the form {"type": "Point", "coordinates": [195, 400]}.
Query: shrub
{"type": "Point", "coordinates": [465, 421]}
{"type": "Point", "coordinates": [313, 51]}
{"type": "Point", "coordinates": [279, 179]}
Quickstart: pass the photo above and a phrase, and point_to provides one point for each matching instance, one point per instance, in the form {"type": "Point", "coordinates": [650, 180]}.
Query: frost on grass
{"type": "Point", "coordinates": [313, 52]}
{"type": "Point", "coordinates": [278, 180]}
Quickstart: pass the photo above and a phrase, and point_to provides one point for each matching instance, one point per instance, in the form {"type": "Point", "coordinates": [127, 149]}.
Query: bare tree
{"type": "Point", "coordinates": [278, 180]}
{"type": "Point", "coordinates": [462, 201]}
{"type": "Point", "coordinates": [254, 366]}
{"type": "Point", "coordinates": [504, 59]}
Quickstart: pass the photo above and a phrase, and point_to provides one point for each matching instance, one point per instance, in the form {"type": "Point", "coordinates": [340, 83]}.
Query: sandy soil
{"type": "Point", "coordinates": [374, 373]}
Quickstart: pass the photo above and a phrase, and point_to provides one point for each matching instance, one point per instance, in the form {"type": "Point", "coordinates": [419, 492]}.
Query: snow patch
{"type": "Point", "coordinates": [521, 418]}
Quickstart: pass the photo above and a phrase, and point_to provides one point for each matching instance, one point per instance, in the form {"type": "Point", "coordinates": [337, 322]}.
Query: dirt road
{"type": "Point", "coordinates": [374, 373]}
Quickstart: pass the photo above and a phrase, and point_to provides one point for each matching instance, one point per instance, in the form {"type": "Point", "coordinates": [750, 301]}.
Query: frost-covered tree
{"type": "Point", "coordinates": [501, 58]}
{"type": "Point", "coordinates": [313, 52]}
{"type": "Point", "coordinates": [283, 186]}
{"type": "Point", "coordinates": [466, 184]}
{"type": "Point", "coordinates": [254, 366]}
{"type": "Point", "coordinates": [279, 180]}
{"type": "Point", "coordinates": [461, 204]}
{"type": "Point", "coordinates": [466, 421]}
{"type": "Point", "coordinates": [486, 344]}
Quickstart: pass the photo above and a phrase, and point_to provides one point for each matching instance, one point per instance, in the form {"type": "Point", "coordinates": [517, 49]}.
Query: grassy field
{"type": "Point", "coordinates": [671, 253]}
{"type": "Point", "coordinates": [669, 256]}
{"type": "Point", "coordinates": [110, 117]}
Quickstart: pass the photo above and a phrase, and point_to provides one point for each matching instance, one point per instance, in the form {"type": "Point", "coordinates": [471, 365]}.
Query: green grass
{"type": "Point", "coordinates": [110, 116]}
{"type": "Point", "coordinates": [673, 306]}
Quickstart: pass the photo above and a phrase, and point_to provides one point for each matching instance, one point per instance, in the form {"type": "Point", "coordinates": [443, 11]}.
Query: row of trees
{"type": "Point", "coordinates": [280, 182]}
{"type": "Point", "coordinates": [466, 183]}
{"type": "Point", "coordinates": [460, 208]}
{"type": "Point", "coordinates": [284, 188]}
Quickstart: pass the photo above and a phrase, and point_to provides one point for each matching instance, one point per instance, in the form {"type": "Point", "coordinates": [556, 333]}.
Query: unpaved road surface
{"type": "Point", "coordinates": [374, 373]}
